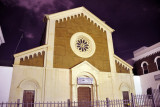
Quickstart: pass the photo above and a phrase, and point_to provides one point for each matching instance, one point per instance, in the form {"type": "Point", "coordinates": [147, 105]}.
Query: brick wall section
{"type": "Point", "coordinates": [36, 60]}
{"type": "Point", "coordinates": [64, 57]}
{"type": "Point", "coordinates": [121, 69]}
{"type": "Point", "coordinates": [150, 60]}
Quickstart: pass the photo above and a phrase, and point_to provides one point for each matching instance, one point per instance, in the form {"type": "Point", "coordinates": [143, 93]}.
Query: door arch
{"type": "Point", "coordinates": [92, 87]}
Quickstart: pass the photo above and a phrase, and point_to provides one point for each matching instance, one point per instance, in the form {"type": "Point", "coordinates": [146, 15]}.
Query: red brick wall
{"type": "Point", "coordinates": [150, 60]}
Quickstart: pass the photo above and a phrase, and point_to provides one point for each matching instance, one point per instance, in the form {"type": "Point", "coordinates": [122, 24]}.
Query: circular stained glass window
{"type": "Point", "coordinates": [82, 44]}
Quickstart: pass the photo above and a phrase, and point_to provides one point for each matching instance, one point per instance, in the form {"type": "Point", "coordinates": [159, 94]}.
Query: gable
{"type": "Point", "coordinates": [85, 66]}
{"type": "Point", "coordinates": [72, 13]}
{"type": "Point", "coordinates": [64, 57]}
{"type": "Point", "coordinates": [84, 69]}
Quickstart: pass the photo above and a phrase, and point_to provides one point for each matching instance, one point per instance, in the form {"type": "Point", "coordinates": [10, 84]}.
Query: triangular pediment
{"type": "Point", "coordinates": [84, 66]}
{"type": "Point", "coordinates": [64, 15]}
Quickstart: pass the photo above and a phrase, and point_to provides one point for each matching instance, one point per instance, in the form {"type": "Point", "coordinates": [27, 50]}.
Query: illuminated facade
{"type": "Point", "coordinates": [76, 62]}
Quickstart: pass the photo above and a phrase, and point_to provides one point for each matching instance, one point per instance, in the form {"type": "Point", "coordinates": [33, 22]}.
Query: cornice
{"type": "Point", "coordinates": [118, 59]}
{"type": "Point", "coordinates": [31, 50]}
{"type": "Point", "coordinates": [147, 54]}
{"type": "Point", "coordinates": [68, 14]}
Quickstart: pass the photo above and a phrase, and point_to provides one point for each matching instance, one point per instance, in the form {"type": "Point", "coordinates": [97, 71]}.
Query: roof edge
{"type": "Point", "coordinates": [78, 11]}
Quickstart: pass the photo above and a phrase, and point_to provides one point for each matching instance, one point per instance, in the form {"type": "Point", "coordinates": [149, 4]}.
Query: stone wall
{"type": "Point", "coordinates": [64, 57]}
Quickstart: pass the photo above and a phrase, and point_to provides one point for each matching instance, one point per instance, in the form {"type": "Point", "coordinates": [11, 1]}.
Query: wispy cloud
{"type": "Point", "coordinates": [41, 6]}
{"type": "Point", "coordinates": [29, 36]}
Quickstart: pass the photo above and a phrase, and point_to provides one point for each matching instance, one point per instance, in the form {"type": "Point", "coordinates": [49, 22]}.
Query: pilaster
{"type": "Point", "coordinates": [111, 51]}
{"type": "Point", "coordinates": [50, 35]}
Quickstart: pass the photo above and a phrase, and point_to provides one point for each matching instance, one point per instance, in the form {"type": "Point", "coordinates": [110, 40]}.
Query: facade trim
{"type": "Point", "coordinates": [78, 12]}
{"type": "Point", "coordinates": [155, 61]}
{"type": "Point", "coordinates": [146, 52]}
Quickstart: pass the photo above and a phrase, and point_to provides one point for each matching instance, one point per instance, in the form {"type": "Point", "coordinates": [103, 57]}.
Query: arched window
{"type": "Point", "coordinates": [157, 61]}
{"type": "Point", "coordinates": [144, 66]}
{"type": "Point", "coordinates": [149, 92]}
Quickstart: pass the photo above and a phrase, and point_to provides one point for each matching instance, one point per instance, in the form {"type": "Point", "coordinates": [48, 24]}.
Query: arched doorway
{"type": "Point", "coordinates": [85, 88]}
{"type": "Point", "coordinates": [84, 75]}
{"type": "Point", "coordinates": [29, 91]}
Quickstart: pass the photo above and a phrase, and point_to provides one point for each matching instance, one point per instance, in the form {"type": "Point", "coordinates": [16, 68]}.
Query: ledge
{"type": "Point", "coordinates": [122, 61]}
{"type": "Point", "coordinates": [74, 12]}
{"type": "Point", "coordinates": [30, 50]}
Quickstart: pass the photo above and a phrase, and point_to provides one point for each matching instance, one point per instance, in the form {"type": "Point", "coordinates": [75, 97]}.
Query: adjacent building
{"type": "Point", "coordinates": [147, 66]}
{"type": "Point", "coordinates": [5, 82]}
{"type": "Point", "coordinates": [77, 62]}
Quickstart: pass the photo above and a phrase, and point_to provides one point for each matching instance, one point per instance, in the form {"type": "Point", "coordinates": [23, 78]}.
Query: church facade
{"type": "Point", "coordinates": [77, 62]}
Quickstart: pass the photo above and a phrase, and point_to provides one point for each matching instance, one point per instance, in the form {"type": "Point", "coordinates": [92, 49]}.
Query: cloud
{"type": "Point", "coordinates": [29, 36]}
{"type": "Point", "coordinates": [41, 7]}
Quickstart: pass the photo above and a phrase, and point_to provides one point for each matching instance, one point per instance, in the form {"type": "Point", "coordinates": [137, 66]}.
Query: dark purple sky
{"type": "Point", "coordinates": [136, 23]}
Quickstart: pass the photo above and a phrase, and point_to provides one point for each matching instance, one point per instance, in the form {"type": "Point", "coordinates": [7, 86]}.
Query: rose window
{"type": "Point", "coordinates": [82, 45]}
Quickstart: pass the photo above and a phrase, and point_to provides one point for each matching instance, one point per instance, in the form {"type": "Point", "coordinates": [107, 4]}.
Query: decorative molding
{"type": "Point", "coordinates": [85, 63]}
{"type": "Point", "coordinates": [26, 66]}
{"type": "Point", "coordinates": [84, 68]}
{"type": "Point", "coordinates": [143, 63]}
{"type": "Point", "coordinates": [147, 52]}
{"type": "Point", "coordinates": [29, 82]}
{"type": "Point", "coordinates": [155, 60]}
{"type": "Point", "coordinates": [34, 50]}
{"type": "Point", "coordinates": [142, 66]}
{"type": "Point", "coordinates": [124, 87]}
{"type": "Point", "coordinates": [81, 11]}
{"type": "Point", "coordinates": [124, 64]}
{"type": "Point", "coordinates": [31, 52]}
{"type": "Point", "coordinates": [81, 40]}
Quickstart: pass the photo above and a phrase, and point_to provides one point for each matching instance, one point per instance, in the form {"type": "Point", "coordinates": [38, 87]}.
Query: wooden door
{"type": "Point", "coordinates": [126, 99]}
{"type": "Point", "coordinates": [28, 98]}
{"type": "Point", "coordinates": [84, 97]}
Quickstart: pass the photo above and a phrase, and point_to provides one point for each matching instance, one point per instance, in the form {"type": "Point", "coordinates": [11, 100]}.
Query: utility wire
{"type": "Point", "coordinates": [18, 43]}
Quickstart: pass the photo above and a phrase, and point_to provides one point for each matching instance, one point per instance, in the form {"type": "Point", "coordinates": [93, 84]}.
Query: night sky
{"type": "Point", "coordinates": [136, 23]}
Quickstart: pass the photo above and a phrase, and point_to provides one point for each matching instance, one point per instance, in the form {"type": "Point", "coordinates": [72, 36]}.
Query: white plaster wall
{"type": "Point", "coordinates": [32, 75]}
{"type": "Point", "coordinates": [119, 80]}
{"type": "Point", "coordinates": [105, 86]}
{"type": "Point", "coordinates": [5, 82]}
{"type": "Point", "coordinates": [110, 85]}
{"type": "Point", "coordinates": [137, 84]}
{"type": "Point", "coordinates": [57, 85]}
{"type": "Point", "coordinates": [147, 81]}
